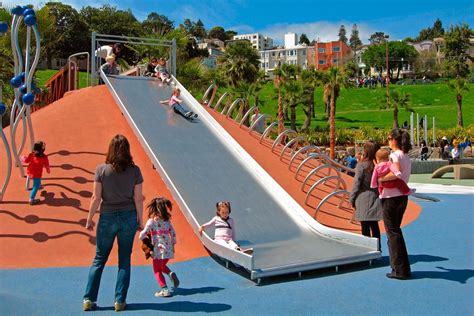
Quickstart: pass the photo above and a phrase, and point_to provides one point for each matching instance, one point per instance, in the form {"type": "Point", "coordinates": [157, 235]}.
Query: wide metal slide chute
{"type": "Point", "coordinates": [202, 164]}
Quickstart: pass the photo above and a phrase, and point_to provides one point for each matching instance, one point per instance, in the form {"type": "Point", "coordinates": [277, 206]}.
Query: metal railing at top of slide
{"type": "Point", "coordinates": [292, 141]}
{"type": "Point", "coordinates": [22, 86]}
{"type": "Point", "coordinates": [99, 40]}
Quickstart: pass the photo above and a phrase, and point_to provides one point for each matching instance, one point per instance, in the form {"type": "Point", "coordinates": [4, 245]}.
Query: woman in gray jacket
{"type": "Point", "coordinates": [368, 210]}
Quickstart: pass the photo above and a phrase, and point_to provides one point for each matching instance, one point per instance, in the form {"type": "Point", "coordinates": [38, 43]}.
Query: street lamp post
{"type": "Point", "coordinates": [387, 78]}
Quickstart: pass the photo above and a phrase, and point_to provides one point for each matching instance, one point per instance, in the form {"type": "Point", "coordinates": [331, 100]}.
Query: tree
{"type": "Point", "coordinates": [377, 38]}
{"type": "Point", "coordinates": [342, 34]}
{"type": "Point", "coordinates": [218, 32]}
{"type": "Point", "coordinates": [333, 79]}
{"type": "Point", "coordinates": [65, 32]}
{"type": "Point", "coordinates": [426, 65]}
{"type": "Point", "coordinates": [354, 41]}
{"type": "Point", "coordinates": [230, 34]}
{"type": "Point", "coordinates": [459, 85]}
{"type": "Point", "coordinates": [456, 50]}
{"type": "Point", "coordinates": [431, 32]}
{"type": "Point", "coordinates": [304, 39]}
{"type": "Point", "coordinates": [398, 53]}
{"type": "Point", "coordinates": [240, 62]}
{"type": "Point", "coordinates": [398, 99]}
{"type": "Point", "coordinates": [109, 20]}
{"type": "Point", "coordinates": [157, 24]}
{"type": "Point", "coordinates": [311, 79]}
{"type": "Point", "coordinates": [199, 30]}
{"type": "Point", "coordinates": [277, 82]}
{"type": "Point", "coordinates": [351, 70]}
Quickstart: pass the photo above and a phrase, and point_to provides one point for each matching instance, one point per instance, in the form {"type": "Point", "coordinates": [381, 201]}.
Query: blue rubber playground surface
{"type": "Point", "coordinates": [440, 244]}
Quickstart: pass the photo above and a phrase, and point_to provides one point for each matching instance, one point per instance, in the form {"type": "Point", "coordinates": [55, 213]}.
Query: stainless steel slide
{"type": "Point", "coordinates": [202, 164]}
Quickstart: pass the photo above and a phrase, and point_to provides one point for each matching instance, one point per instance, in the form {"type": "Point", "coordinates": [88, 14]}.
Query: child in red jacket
{"type": "Point", "coordinates": [36, 161]}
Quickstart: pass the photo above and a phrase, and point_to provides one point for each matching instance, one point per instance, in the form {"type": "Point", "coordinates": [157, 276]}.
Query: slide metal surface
{"type": "Point", "coordinates": [202, 164]}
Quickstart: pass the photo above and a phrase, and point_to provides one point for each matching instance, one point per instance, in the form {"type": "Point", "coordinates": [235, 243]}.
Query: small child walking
{"type": "Point", "coordinates": [36, 160]}
{"type": "Point", "coordinates": [383, 167]}
{"type": "Point", "coordinates": [163, 238]}
{"type": "Point", "coordinates": [224, 227]}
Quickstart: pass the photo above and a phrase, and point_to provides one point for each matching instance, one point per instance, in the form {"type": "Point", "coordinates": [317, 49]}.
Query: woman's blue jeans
{"type": "Point", "coordinates": [123, 225]}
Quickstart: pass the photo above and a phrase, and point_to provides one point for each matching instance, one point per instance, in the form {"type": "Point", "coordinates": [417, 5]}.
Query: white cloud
{"type": "Point", "coordinates": [324, 31]}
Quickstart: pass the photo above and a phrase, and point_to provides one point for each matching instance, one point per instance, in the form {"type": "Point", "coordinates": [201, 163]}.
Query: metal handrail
{"type": "Point", "coordinates": [316, 170]}
{"type": "Point", "coordinates": [232, 106]}
{"type": "Point", "coordinates": [327, 197]}
{"type": "Point", "coordinates": [259, 118]}
{"type": "Point", "coordinates": [225, 95]}
{"type": "Point", "coordinates": [324, 180]}
{"type": "Point", "coordinates": [310, 157]}
{"type": "Point", "coordinates": [282, 134]}
{"type": "Point", "coordinates": [87, 69]}
{"type": "Point", "coordinates": [247, 114]}
{"type": "Point", "coordinates": [300, 151]}
{"type": "Point", "coordinates": [206, 96]}
{"type": "Point", "coordinates": [267, 130]}
{"type": "Point", "coordinates": [291, 142]}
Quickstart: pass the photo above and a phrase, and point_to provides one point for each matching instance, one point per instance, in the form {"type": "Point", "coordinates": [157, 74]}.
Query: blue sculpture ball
{"type": "Point", "coordinates": [16, 81]}
{"type": "Point", "coordinates": [28, 98]}
{"type": "Point", "coordinates": [24, 88]}
{"type": "Point", "coordinates": [30, 20]}
{"type": "Point", "coordinates": [3, 27]}
{"type": "Point", "coordinates": [17, 10]}
{"type": "Point", "coordinates": [22, 76]}
{"type": "Point", "coordinates": [3, 108]}
{"type": "Point", "coordinates": [28, 12]}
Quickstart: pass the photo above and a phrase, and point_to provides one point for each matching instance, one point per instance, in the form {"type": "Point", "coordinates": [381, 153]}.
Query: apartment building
{"type": "Point", "coordinates": [328, 54]}
{"type": "Point", "coordinates": [258, 41]}
{"type": "Point", "coordinates": [296, 55]}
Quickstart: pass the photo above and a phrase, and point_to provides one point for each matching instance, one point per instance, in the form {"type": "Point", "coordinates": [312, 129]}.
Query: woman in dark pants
{"type": "Point", "coordinates": [364, 199]}
{"type": "Point", "coordinates": [394, 204]}
{"type": "Point", "coordinates": [118, 191]}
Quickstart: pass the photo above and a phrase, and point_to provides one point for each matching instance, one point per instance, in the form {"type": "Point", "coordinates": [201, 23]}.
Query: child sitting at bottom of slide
{"type": "Point", "coordinates": [383, 167]}
{"type": "Point", "coordinates": [224, 227]}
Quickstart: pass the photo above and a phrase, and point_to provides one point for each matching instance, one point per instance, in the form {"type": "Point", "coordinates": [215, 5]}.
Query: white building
{"type": "Point", "coordinates": [291, 40]}
{"type": "Point", "coordinates": [258, 41]}
{"type": "Point", "coordinates": [296, 55]}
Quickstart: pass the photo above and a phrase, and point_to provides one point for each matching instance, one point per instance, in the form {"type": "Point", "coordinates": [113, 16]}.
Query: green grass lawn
{"type": "Point", "coordinates": [43, 75]}
{"type": "Point", "coordinates": [358, 107]}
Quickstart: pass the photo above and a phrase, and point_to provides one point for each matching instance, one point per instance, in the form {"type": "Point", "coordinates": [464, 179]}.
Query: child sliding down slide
{"type": "Point", "coordinates": [174, 102]}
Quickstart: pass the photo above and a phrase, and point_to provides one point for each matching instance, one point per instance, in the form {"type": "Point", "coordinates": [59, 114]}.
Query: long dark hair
{"type": "Point", "coordinates": [159, 207]}
{"type": "Point", "coordinates": [403, 139]}
{"type": "Point", "coordinates": [119, 154]}
{"type": "Point", "coordinates": [370, 148]}
{"type": "Point", "coordinates": [38, 148]}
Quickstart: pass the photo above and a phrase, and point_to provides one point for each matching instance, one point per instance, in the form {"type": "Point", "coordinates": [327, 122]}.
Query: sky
{"type": "Point", "coordinates": [318, 19]}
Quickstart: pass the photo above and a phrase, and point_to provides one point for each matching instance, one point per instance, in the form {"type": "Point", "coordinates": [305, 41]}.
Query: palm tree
{"type": "Point", "coordinates": [398, 99]}
{"type": "Point", "coordinates": [277, 82]}
{"type": "Point", "coordinates": [311, 80]}
{"type": "Point", "coordinates": [293, 97]}
{"type": "Point", "coordinates": [459, 85]}
{"type": "Point", "coordinates": [334, 78]}
{"type": "Point", "coordinates": [240, 62]}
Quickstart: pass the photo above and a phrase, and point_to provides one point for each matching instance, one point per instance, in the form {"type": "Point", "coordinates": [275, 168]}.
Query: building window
{"type": "Point", "coordinates": [255, 36]}
{"type": "Point", "coordinates": [262, 65]}
{"type": "Point", "coordinates": [290, 53]}
{"type": "Point", "coordinates": [321, 50]}
{"type": "Point", "coordinates": [304, 52]}
{"type": "Point", "coordinates": [335, 61]}
{"type": "Point", "coordinates": [336, 49]}
{"type": "Point", "coordinates": [273, 54]}
{"type": "Point", "coordinates": [321, 61]}
{"type": "Point", "coordinates": [266, 64]}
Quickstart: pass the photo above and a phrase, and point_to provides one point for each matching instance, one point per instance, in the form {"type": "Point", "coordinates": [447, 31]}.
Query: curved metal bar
{"type": "Point", "coordinates": [316, 170]}
{"type": "Point", "coordinates": [254, 124]}
{"type": "Point", "coordinates": [280, 137]}
{"type": "Point", "coordinates": [318, 156]}
{"type": "Point", "coordinates": [247, 114]}
{"type": "Point", "coordinates": [267, 130]}
{"type": "Point", "coordinates": [23, 136]}
{"type": "Point", "coordinates": [324, 180]}
{"type": "Point", "coordinates": [9, 162]}
{"type": "Point", "coordinates": [205, 97]}
{"type": "Point", "coordinates": [300, 151]}
{"type": "Point", "coordinates": [338, 165]}
{"type": "Point", "coordinates": [327, 197]}
{"type": "Point", "coordinates": [16, 155]}
{"type": "Point", "coordinates": [291, 142]}
{"type": "Point", "coordinates": [87, 71]}
{"type": "Point", "coordinates": [225, 95]}
{"type": "Point", "coordinates": [232, 106]}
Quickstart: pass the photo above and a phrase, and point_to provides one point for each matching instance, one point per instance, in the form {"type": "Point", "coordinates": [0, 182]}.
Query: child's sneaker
{"type": "Point", "coordinates": [34, 202]}
{"type": "Point", "coordinates": [88, 305]}
{"type": "Point", "coordinates": [163, 293]}
{"type": "Point", "coordinates": [120, 306]}
{"type": "Point", "coordinates": [194, 116]}
{"type": "Point", "coordinates": [175, 279]}
{"type": "Point", "coordinates": [189, 114]}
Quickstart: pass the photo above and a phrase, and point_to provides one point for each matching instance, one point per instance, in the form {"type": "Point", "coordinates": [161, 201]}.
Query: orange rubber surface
{"type": "Point", "coordinates": [77, 130]}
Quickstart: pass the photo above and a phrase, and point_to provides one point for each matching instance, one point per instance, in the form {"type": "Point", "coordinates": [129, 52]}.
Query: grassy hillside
{"type": "Point", "coordinates": [43, 75]}
{"type": "Point", "coordinates": [358, 107]}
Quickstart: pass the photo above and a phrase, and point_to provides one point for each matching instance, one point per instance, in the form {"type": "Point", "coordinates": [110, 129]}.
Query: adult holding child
{"type": "Point", "coordinates": [118, 191]}
{"type": "Point", "coordinates": [394, 204]}
{"type": "Point", "coordinates": [365, 200]}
